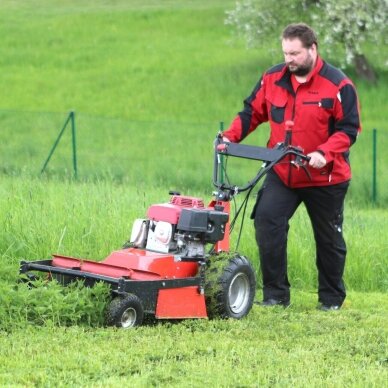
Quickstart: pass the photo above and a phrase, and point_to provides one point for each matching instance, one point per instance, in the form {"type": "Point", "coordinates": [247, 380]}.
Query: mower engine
{"type": "Point", "coordinates": [183, 227]}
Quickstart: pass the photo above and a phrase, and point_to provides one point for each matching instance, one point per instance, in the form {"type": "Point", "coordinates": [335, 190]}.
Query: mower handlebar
{"type": "Point", "coordinates": [269, 156]}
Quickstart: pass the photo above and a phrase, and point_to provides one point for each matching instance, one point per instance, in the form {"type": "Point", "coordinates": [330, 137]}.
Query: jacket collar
{"type": "Point", "coordinates": [285, 79]}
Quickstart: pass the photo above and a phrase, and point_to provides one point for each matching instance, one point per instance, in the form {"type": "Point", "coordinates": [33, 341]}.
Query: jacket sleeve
{"type": "Point", "coordinates": [253, 114]}
{"type": "Point", "coordinates": [346, 125]}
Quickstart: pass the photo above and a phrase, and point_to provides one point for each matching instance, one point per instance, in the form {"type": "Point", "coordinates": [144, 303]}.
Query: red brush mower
{"type": "Point", "coordinates": [166, 270]}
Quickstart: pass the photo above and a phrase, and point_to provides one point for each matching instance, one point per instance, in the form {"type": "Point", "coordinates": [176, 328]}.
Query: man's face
{"type": "Point", "coordinates": [299, 60]}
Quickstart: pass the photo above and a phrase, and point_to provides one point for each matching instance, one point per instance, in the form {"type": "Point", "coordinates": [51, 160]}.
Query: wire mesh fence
{"type": "Point", "coordinates": [174, 154]}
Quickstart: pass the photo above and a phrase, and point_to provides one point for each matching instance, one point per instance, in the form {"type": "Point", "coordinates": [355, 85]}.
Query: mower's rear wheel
{"type": "Point", "coordinates": [230, 287]}
{"type": "Point", "coordinates": [125, 312]}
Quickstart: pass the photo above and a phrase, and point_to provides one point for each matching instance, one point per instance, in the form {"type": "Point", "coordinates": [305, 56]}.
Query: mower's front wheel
{"type": "Point", "coordinates": [125, 312]}
{"type": "Point", "coordinates": [230, 287]}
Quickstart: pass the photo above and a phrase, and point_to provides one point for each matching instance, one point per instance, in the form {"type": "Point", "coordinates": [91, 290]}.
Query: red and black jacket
{"type": "Point", "coordinates": [325, 113]}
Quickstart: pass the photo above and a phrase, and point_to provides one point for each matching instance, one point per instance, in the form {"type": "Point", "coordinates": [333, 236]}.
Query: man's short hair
{"type": "Point", "coordinates": [301, 31]}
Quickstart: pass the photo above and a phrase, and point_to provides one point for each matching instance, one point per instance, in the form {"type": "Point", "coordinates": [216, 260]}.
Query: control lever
{"type": "Point", "coordinates": [289, 126]}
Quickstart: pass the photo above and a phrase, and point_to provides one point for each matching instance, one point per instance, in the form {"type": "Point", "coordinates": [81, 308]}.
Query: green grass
{"type": "Point", "coordinates": [298, 346]}
{"type": "Point", "coordinates": [125, 60]}
{"type": "Point", "coordinates": [150, 81]}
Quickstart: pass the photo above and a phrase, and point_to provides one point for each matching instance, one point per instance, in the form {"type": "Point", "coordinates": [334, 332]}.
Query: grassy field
{"type": "Point", "coordinates": [168, 71]}
{"type": "Point", "coordinates": [150, 81]}
{"type": "Point", "coordinates": [51, 335]}
{"type": "Point", "coordinates": [294, 347]}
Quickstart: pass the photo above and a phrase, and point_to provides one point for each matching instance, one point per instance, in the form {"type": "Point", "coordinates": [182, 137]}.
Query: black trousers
{"type": "Point", "coordinates": [276, 204]}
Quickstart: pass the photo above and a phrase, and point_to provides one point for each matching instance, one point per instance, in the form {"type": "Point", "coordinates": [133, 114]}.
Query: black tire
{"type": "Point", "coordinates": [125, 312]}
{"type": "Point", "coordinates": [230, 287]}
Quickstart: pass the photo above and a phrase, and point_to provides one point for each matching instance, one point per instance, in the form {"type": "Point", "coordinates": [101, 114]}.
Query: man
{"type": "Point", "coordinates": [321, 104]}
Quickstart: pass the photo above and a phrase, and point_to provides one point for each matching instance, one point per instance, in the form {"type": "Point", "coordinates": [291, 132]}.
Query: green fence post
{"type": "Point", "coordinates": [72, 113]}
{"type": "Point", "coordinates": [374, 172]}
{"type": "Point", "coordinates": [56, 143]}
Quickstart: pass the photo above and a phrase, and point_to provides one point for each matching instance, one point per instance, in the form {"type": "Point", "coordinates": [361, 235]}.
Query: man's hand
{"type": "Point", "coordinates": [317, 160]}
{"type": "Point", "coordinates": [217, 141]}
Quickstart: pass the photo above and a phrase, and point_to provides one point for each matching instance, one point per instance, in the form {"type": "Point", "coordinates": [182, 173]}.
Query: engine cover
{"type": "Point", "coordinates": [210, 224]}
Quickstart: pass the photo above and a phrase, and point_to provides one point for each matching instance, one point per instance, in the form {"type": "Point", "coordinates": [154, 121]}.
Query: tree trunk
{"type": "Point", "coordinates": [364, 69]}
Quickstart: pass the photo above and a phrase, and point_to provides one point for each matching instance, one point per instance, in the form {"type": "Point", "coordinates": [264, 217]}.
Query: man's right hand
{"type": "Point", "coordinates": [317, 160]}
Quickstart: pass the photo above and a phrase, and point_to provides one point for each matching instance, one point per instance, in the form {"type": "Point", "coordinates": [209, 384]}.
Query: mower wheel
{"type": "Point", "coordinates": [125, 312]}
{"type": "Point", "coordinates": [230, 287]}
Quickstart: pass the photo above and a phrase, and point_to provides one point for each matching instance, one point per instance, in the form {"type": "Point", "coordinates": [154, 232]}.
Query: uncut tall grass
{"type": "Point", "coordinates": [90, 219]}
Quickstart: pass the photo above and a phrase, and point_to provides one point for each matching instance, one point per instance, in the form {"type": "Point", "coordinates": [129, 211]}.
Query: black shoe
{"type": "Point", "coordinates": [328, 307]}
{"type": "Point", "coordinates": [273, 302]}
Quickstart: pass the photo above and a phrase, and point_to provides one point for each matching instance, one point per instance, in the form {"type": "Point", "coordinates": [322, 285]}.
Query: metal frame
{"type": "Point", "coordinates": [146, 290]}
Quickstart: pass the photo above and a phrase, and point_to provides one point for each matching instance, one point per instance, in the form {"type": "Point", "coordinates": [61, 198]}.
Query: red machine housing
{"type": "Point", "coordinates": [174, 282]}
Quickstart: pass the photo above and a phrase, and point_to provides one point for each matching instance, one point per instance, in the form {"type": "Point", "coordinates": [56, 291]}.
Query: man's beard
{"type": "Point", "coordinates": [302, 69]}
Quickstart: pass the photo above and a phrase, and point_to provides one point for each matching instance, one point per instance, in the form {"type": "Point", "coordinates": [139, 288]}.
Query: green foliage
{"type": "Point", "coordinates": [260, 21]}
{"type": "Point", "coordinates": [48, 303]}
{"type": "Point", "coordinates": [352, 25]}
{"type": "Point", "coordinates": [343, 26]}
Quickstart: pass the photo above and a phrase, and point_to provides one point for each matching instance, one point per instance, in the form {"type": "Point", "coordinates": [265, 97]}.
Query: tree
{"type": "Point", "coordinates": [344, 27]}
